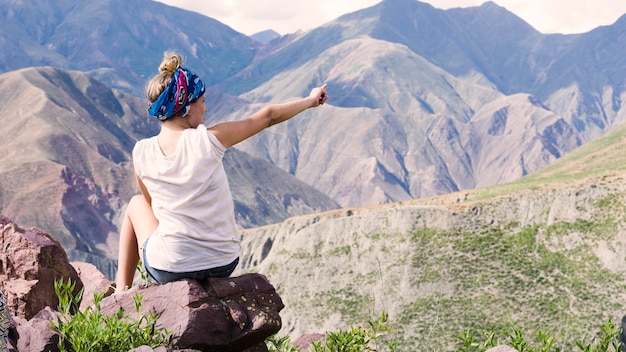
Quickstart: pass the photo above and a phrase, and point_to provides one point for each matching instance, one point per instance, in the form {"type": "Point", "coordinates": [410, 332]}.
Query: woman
{"type": "Point", "coordinates": [183, 222]}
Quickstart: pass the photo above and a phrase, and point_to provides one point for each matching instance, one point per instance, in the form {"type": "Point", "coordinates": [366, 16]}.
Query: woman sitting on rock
{"type": "Point", "coordinates": [183, 223]}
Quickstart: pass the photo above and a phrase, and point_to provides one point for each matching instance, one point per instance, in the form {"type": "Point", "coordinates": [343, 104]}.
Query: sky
{"type": "Point", "coordinates": [288, 16]}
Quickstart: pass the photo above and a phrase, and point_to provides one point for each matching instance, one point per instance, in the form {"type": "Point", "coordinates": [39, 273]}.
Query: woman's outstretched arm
{"type": "Point", "coordinates": [233, 132]}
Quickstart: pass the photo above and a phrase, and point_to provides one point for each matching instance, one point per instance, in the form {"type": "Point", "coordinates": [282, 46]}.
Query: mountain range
{"type": "Point", "coordinates": [424, 101]}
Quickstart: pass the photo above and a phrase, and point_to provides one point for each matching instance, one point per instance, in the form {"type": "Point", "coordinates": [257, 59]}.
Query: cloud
{"type": "Point", "coordinates": [283, 16]}
{"type": "Point", "coordinates": [554, 16]}
{"type": "Point", "coordinates": [572, 16]}
{"type": "Point", "coordinates": [288, 16]}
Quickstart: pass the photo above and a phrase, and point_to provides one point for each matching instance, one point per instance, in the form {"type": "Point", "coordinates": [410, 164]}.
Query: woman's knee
{"type": "Point", "coordinates": [141, 216]}
{"type": "Point", "coordinates": [137, 203]}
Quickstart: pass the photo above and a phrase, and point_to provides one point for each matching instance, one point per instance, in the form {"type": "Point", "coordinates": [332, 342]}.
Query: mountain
{"type": "Point", "coordinates": [119, 42]}
{"type": "Point", "coordinates": [265, 36]}
{"type": "Point", "coordinates": [544, 253]}
{"type": "Point", "coordinates": [66, 166]}
{"type": "Point", "coordinates": [432, 99]}
{"type": "Point", "coordinates": [429, 99]}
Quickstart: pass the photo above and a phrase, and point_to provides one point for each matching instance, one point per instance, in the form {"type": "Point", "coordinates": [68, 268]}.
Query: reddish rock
{"type": "Point", "coordinates": [93, 281]}
{"type": "Point", "coordinates": [36, 334]}
{"type": "Point", "coordinates": [225, 314]}
{"type": "Point", "coordinates": [305, 342]}
{"type": "Point", "coordinates": [31, 260]}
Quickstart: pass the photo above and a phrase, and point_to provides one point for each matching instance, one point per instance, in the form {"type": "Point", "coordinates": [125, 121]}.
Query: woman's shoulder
{"type": "Point", "coordinates": [144, 143]}
{"type": "Point", "coordinates": [204, 135]}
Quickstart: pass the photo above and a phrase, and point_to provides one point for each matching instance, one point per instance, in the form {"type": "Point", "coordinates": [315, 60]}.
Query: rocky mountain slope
{"type": "Point", "coordinates": [544, 253]}
{"type": "Point", "coordinates": [66, 164]}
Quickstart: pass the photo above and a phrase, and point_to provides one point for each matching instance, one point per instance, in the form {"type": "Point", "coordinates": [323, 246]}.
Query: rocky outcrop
{"type": "Point", "coordinates": [31, 261]}
{"type": "Point", "coordinates": [224, 314]}
{"type": "Point", "coordinates": [221, 314]}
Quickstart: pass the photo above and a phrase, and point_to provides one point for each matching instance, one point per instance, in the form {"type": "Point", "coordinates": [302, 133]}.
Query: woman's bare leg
{"type": "Point", "coordinates": [138, 224]}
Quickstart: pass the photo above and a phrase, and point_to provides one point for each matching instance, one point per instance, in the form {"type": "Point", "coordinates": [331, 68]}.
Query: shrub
{"type": "Point", "coordinates": [93, 331]}
{"type": "Point", "coordinates": [606, 341]}
{"type": "Point", "coordinates": [373, 337]}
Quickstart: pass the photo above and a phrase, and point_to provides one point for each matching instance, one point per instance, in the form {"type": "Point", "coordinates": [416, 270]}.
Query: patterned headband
{"type": "Point", "coordinates": [184, 88]}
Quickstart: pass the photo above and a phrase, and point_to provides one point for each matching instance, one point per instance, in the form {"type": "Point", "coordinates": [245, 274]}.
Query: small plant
{"type": "Point", "coordinates": [469, 344]}
{"type": "Point", "coordinates": [607, 341]}
{"type": "Point", "coordinates": [358, 338]}
{"type": "Point", "coordinates": [143, 274]}
{"type": "Point", "coordinates": [354, 339]}
{"type": "Point", "coordinates": [280, 344]}
{"type": "Point", "coordinates": [92, 330]}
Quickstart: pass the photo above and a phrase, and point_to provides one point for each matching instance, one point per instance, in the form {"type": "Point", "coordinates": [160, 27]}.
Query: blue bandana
{"type": "Point", "coordinates": [184, 88]}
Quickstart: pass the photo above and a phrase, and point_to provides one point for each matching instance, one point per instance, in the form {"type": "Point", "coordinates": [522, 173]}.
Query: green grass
{"type": "Point", "coordinates": [505, 278]}
{"type": "Point", "coordinates": [378, 335]}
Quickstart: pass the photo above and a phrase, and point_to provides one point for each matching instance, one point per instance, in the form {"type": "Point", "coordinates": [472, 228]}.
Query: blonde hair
{"type": "Point", "coordinates": [171, 61]}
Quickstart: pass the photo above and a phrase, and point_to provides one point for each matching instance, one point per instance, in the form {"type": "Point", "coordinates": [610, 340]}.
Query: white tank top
{"type": "Point", "coordinates": [191, 199]}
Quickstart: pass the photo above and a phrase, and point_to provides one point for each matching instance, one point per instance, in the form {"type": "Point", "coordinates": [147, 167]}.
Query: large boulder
{"type": "Point", "coordinates": [30, 262]}
{"type": "Point", "coordinates": [222, 314]}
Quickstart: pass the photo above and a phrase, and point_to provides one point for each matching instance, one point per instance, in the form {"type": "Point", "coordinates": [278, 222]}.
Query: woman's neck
{"type": "Point", "coordinates": [175, 124]}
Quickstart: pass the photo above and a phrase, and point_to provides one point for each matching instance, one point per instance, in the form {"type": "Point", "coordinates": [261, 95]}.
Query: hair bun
{"type": "Point", "coordinates": [171, 61]}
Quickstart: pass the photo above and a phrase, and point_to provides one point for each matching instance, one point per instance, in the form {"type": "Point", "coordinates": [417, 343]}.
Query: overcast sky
{"type": "Point", "coordinates": [288, 16]}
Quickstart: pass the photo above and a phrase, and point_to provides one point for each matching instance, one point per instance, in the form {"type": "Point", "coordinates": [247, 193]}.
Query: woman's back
{"type": "Point", "coordinates": [191, 199]}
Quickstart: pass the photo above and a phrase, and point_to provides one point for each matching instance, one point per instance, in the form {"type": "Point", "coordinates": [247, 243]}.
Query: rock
{"type": "Point", "coordinates": [148, 349]}
{"type": "Point", "coordinates": [31, 260]}
{"type": "Point", "coordinates": [261, 347]}
{"type": "Point", "coordinates": [305, 342]}
{"type": "Point", "coordinates": [93, 281]}
{"type": "Point", "coordinates": [224, 314]}
{"type": "Point", "coordinates": [36, 334]}
{"type": "Point", "coordinates": [502, 349]}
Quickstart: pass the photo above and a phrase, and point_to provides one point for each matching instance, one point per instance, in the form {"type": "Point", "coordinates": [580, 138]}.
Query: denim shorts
{"type": "Point", "coordinates": [163, 277]}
